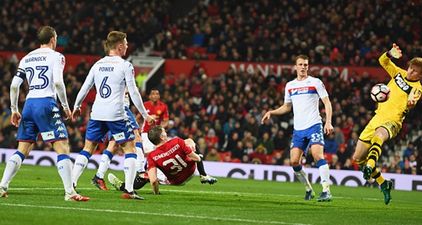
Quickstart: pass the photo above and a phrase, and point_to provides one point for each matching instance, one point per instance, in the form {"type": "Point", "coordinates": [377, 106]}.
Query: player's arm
{"type": "Point", "coordinates": [190, 147]}
{"type": "Point", "coordinates": [135, 96]}
{"type": "Point", "coordinates": [14, 89]}
{"type": "Point", "coordinates": [165, 121]}
{"type": "Point", "coordinates": [285, 108]}
{"type": "Point", "coordinates": [387, 64]}
{"type": "Point", "coordinates": [58, 68]}
{"type": "Point", "coordinates": [87, 85]}
{"type": "Point", "coordinates": [14, 96]}
{"type": "Point", "coordinates": [155, 185]}
{"type": "Point", "coordinates": [328, 127]}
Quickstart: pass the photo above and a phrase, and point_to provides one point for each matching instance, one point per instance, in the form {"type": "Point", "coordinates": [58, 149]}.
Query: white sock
{"type": "Point", "coordinates": [140, 160]}
{"type": "Point", "coordinates": [12, 167]}
{"type": "Point", "coordinates": [324, 173]}
{"type": "Point", "coordinates": [130, 172]}
{"type": "Point", "coordinates": [79, 166]}
{"type": "Point", "coordinates": [301, 175]}
{"type": "Point", "coordinates": [64, 167]}
{"type": "Point", "coordinates": [103, 167]}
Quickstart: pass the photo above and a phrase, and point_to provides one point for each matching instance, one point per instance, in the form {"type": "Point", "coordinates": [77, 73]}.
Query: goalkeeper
{"type": "Point", "coordinates": [405, 92]}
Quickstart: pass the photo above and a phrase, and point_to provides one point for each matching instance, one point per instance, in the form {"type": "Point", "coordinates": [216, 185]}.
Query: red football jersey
{"type": "Point", "coordinates": [159, 110]}
{"type": "Point", "coordinates": [172, 159]}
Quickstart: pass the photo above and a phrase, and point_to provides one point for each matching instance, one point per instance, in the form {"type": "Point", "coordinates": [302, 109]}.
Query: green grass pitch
{"type": "Point", "coordinates": [36, 197]}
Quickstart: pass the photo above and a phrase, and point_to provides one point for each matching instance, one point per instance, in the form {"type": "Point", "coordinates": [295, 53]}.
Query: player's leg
{"type": "Point", "coordinates": [147, 146]}
{"type": "Point", "coordinates": [295, 158]}
{"type": "Point", "coordinates": [82, 160]}
{"type": "Point", "coordinates": [298, 144]}
{"type": "Point", "coordinates": [315, 135]}
{"type": "Point", "coordinates": [365, 144]}
{"type": "Point", "coordinates": [317, 151]}
{"type": "Point", "coordinates": [140, 157]}
{"type": "Point", "coordinates": [94, 133]}
{"type": "Point", "coordinates": [124, 136]}
{"type": "Point", "coordinates": [13, 165]}
{"type": "Point", "coordinates": [108, 153]}
{"type": "Point", "coordinates": [129, 170]}
{"type": "Point", "coordinates": [64, 168]}
{"type": "Point", "coordinates": [204, 177]}
{"type": "Point", "coordinates": [27, 135]}
{"type": "Point", "coordinates": [386, 131]}
{"type": "Point", "coordinates": [119, 185]}
{"type": "Point", "coordinates": [380, 136]}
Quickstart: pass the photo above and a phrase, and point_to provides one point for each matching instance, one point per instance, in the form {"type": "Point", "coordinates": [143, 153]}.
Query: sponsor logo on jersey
{"type": "Point", "coordinates": [55, 109]}
{"type": "Point", "coordinates": [48, 135]}
{"type": "Point", "coordinates": [119, 136]}
{"type": "Point", "coordinates": [56, 115]}
{"type": "Point", "coordinates": [62, 135]}
{"type": "Point", "coordinates": [302, 90]}
{"type": "Point", "coordinates": [58, 122]}
{"type": "Point", "coordinates": [61, 128]}
{"type": "Point", "coordinates": [401, 83]}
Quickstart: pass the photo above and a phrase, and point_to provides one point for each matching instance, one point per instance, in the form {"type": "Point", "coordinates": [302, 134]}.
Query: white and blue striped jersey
{"type": "Point", "coordinates": [43, 70]}
{"type": "Point", "coordinates": [304, 96]}
{"type": "Point", "coordinates": [111, 76]}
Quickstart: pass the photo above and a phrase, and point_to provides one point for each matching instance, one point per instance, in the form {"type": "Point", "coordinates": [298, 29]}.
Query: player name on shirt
{"type": "Point", "coordinates": [36, 59]}
{"type": "Point", "coordinates": [106, 69]}
{"type": "Point", "coordinates": [169, 152]}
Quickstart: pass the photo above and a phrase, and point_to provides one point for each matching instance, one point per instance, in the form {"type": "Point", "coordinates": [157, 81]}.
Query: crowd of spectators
{"type": "Point", "coordinates": [81, 25]}
{"type": "Point", "coordinates": [223, 113]}
{"type": "Point", "coordinates": [330, 32]}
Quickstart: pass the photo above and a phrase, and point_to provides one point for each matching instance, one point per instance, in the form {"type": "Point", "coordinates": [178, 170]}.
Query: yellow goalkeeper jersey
{"type": "Point", "coordinates": [395, 108]}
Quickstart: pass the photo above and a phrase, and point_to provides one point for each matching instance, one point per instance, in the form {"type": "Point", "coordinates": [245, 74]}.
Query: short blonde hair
{"type": "Point", "coordinates": [417, 61]}
{"type": "Point", "coordinates": [113, 39]}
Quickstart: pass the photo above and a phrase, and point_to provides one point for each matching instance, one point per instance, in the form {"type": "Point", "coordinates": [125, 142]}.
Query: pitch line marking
{"type": "Point", "coordinates": [153, 214]}
{"type": "Point", "coordinates": [200, 192]}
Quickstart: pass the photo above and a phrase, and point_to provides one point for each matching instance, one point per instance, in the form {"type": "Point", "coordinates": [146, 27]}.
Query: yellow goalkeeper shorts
{"type": "Point", "coordinates": [393, 128]}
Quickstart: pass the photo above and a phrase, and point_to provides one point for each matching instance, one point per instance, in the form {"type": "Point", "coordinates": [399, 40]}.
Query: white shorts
{"type": "Point", "coordinates": [147, 145]}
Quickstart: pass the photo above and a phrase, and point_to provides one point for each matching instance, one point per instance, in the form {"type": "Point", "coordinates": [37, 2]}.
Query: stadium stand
{"type": "Point", "coordinates": [222, 113]}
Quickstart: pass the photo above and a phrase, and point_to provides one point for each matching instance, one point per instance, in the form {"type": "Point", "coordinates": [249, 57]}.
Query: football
{"type": "Point", "coordinates": [380, 92]}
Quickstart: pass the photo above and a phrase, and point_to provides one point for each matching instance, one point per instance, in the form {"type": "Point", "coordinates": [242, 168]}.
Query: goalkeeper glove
{"type": "Point", "coordinates": [395, 51]}
{"type": "Point", "coordinates": [414, 96]}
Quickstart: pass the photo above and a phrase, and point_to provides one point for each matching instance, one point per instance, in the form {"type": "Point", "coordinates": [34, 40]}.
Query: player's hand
{"type": "Point", "coordinates": [15, 119]}
{"type": "Point", "coordinates": [328, 128]}
{"type": "Point", "coordinates": [76, 113]}
{"type": "Point", "coordinates": [414, 96]}
{"type": "Point", "coordinates": [150, 119]}
{"type": "Point", "coordinates": [395, 51]}
{"type": "Point", "coordinates": [67, 114]}
{"type": "Point", "coordinates": [266, 116]}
